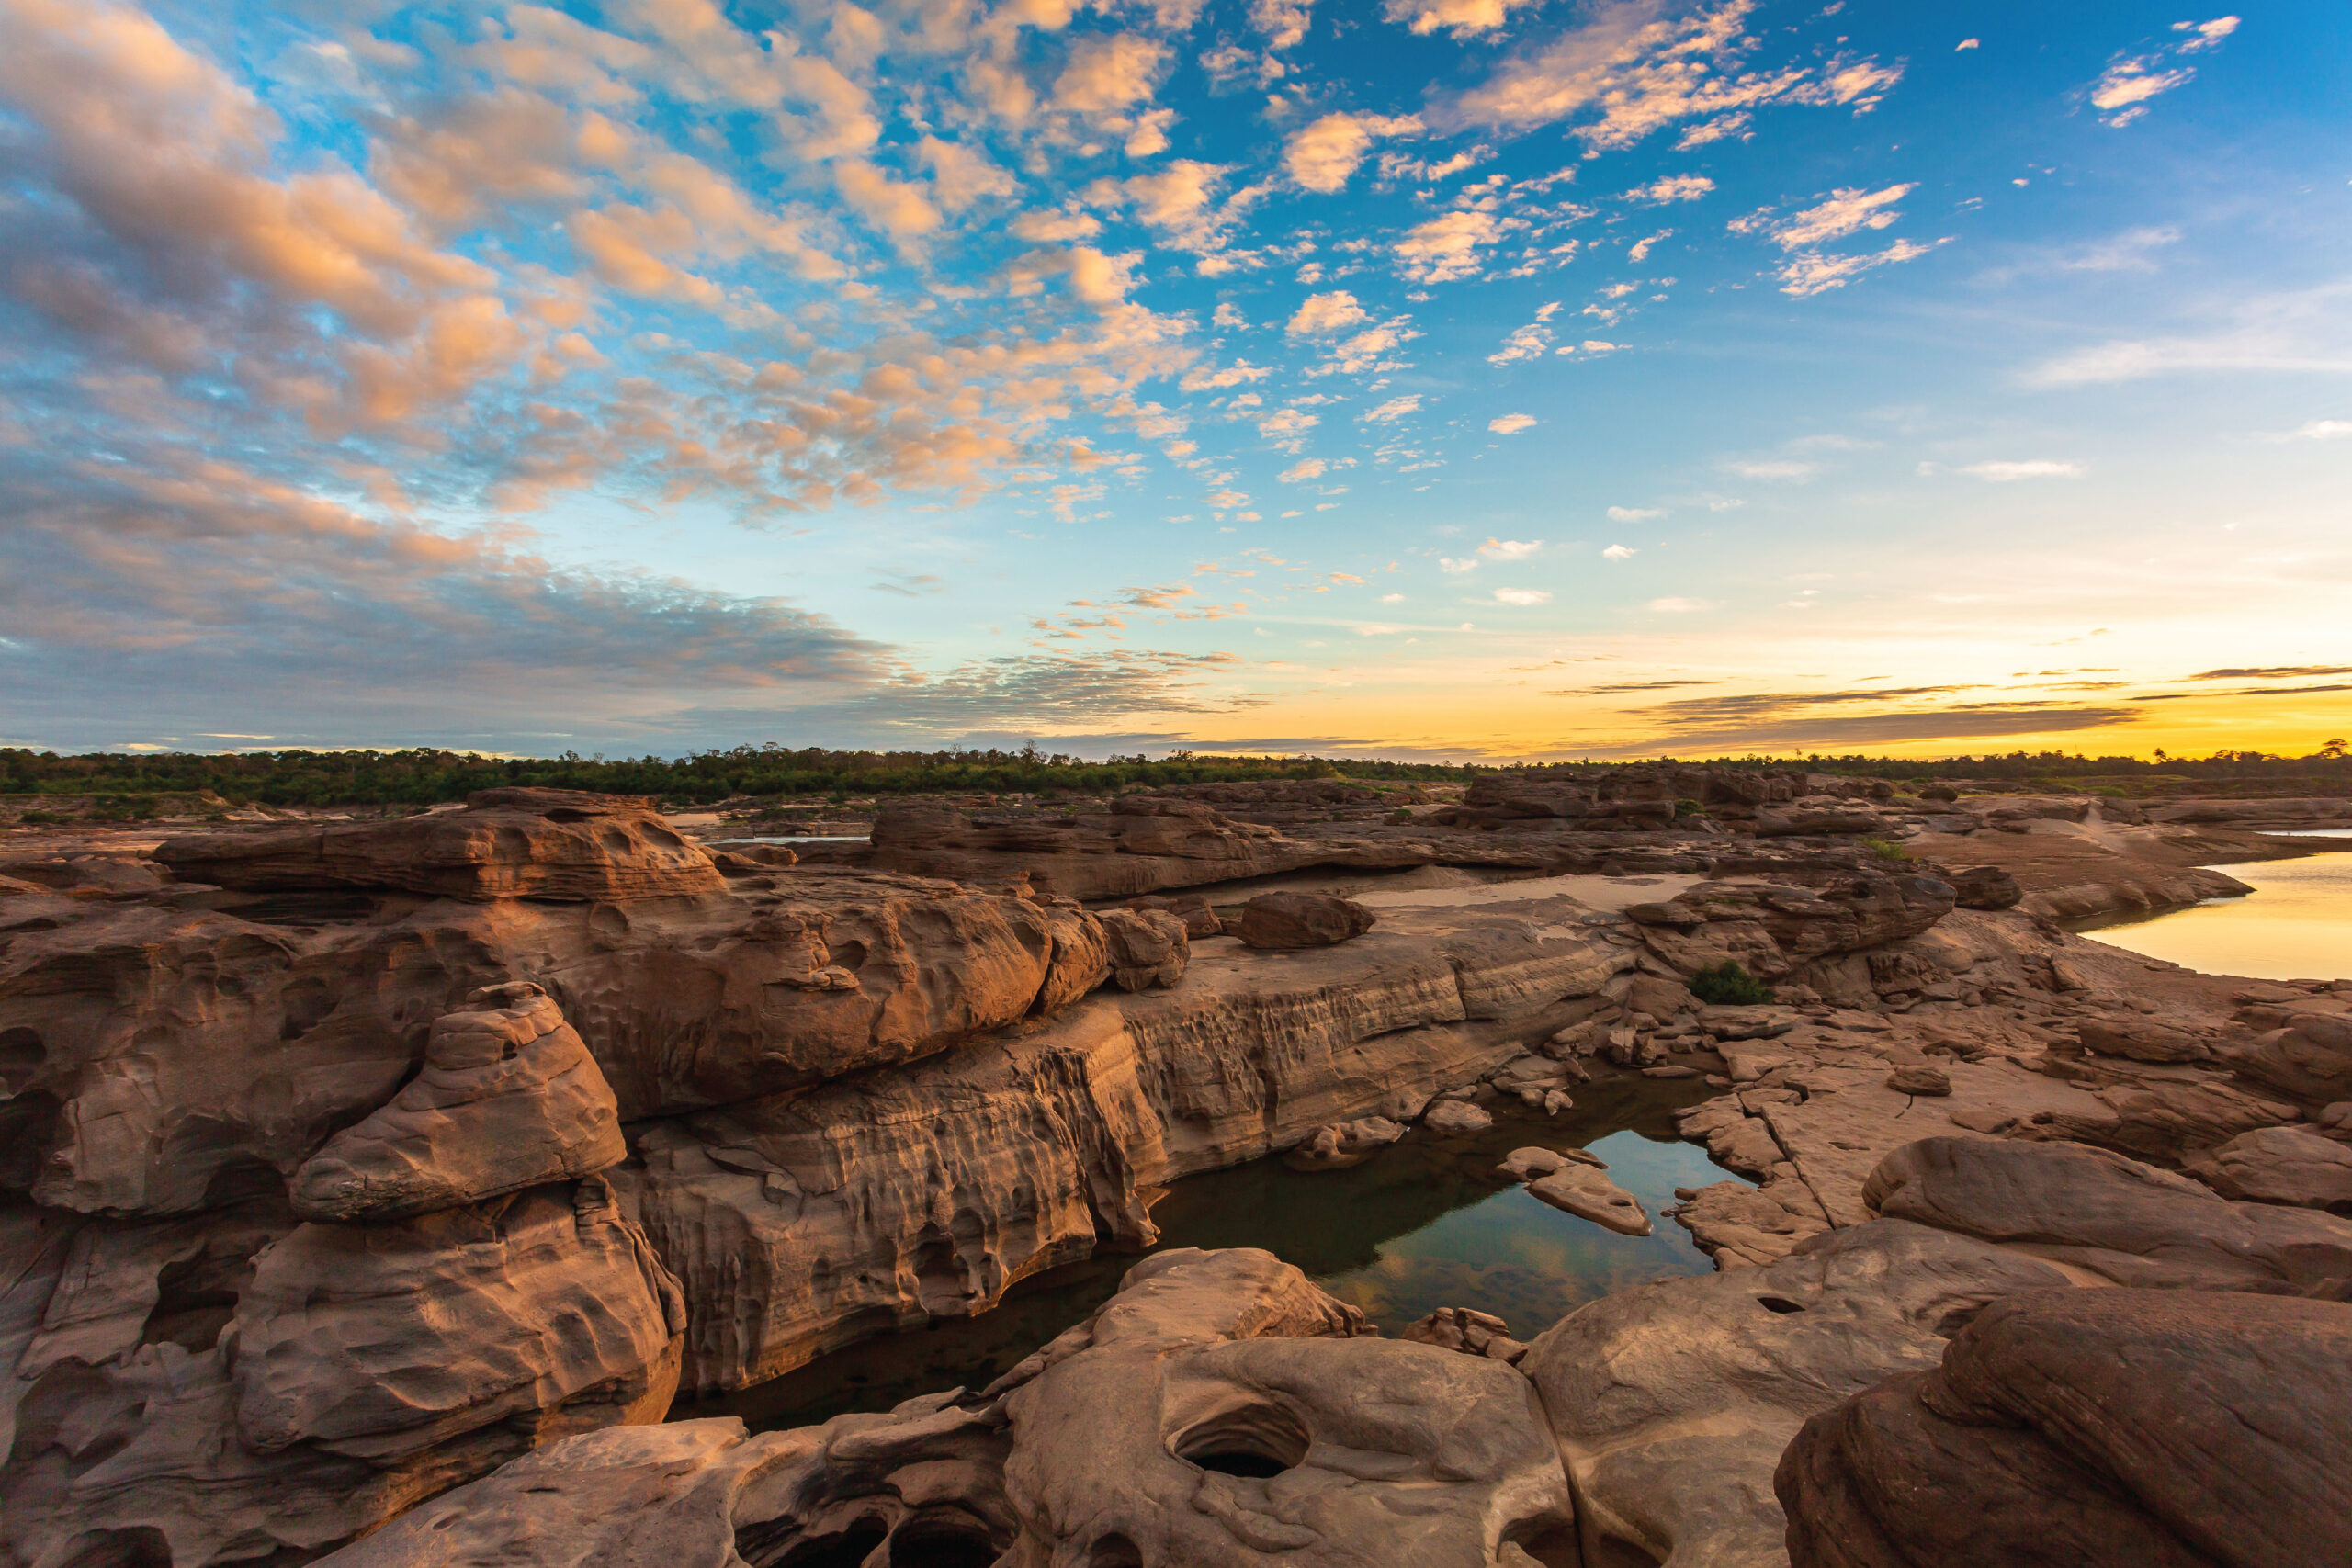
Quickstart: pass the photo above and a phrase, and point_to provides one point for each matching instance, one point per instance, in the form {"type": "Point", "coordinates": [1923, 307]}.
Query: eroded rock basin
{"type": "Point", "coordinates": [2297, 922]}
{"type": "Point", "coordinates": [1426, 1223]}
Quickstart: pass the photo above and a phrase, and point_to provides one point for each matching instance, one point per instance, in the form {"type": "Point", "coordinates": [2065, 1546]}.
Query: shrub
{"type": "Point", "coordinates": [1729, 985]}
{"type": "Point", "coordinates": [1688, 807]}
{"type": "Point", "coordinates": [1886, 849]}
{"type": "Point", "coordinates": [43, 819]}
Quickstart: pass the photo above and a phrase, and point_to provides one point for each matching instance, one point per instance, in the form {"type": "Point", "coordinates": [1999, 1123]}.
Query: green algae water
{"type": "Point", "coordinates": [1424, 1224]}
{"type": "Point", "coordinates": [2295, 925]}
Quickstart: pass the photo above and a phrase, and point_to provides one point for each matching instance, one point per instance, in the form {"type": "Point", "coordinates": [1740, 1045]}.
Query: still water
{"type": "Point", "coordinates": [1424, 1224]}
{"type": "Point", "coordinates": [2295, 925]}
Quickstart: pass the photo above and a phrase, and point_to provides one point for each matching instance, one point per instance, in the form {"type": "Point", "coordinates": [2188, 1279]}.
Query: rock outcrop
{"type": "Point", "coordinates": [506, 843]}
{"type": "Point", "coordinates": [509, 1098]}
{"type": "Point", "coordinates": [2280, 1165]}
{"type": "Point", "coordinates": [2158, 1427]}
{"type": "Point", "coordinates": [1287, 921]}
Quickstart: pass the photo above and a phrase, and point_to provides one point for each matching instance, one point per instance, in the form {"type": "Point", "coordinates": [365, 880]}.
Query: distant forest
{"type": "Point", "coordinates": [428, 777]}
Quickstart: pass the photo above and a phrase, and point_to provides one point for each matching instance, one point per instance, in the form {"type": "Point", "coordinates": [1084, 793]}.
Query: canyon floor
{"type": "Point", "coordinates": [374, 1186]}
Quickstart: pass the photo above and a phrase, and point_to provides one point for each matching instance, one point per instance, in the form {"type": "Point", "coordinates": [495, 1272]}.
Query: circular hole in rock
{"type": "Point", "coordinates": [842, 1548]}
{"type": "Point", "coordinates": [1114, 1551]}
{"type": "Point", "coordinates": [1256, 1440]}
{"type": "Point", "coordinates": [1779, 1303]}
{"type": "Point", "coordinates": [942, 1540]}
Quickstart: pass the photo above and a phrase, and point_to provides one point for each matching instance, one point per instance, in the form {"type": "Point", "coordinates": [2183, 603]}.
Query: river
{"type": "Point", "coordinates": [2295, 925]}
{"type": "Point", "coordinates": [1424, 1224]}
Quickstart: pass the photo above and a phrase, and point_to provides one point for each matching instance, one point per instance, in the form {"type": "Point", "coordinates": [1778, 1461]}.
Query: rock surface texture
{"type": "Point", "coordinates": [2158, 1427]}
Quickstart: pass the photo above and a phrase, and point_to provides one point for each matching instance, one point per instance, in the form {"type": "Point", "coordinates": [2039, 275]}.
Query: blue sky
{"type": "Point", "coordinates": [1464, 377]}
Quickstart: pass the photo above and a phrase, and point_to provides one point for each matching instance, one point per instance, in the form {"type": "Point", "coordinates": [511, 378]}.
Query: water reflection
{"type": "Point", "coordinates": [1423, 1225]}
{"type": "Point", "coordinates": [2295, 925]}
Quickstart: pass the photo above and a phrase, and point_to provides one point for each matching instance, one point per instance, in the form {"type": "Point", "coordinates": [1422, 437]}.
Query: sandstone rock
{"type": "Point", "coordinates": [1192, 909]}
{"type": "Point", "coordinates": [2169, 1428]}
{"type": "Point", "coordinates": [1746, 1227]}
{"type": "Point", "coordinates": [1344, 1143]}
{"type": "Point", "coordinates": [2142, 1041]}
{"type": "Point", "coordinates": [2109, 1216]}
{"type": "Point", "coordinates": [2280, 1165]}
{"type": "Point", "coordinates": [1465, 1329]}
{"type": "Point", "coordinates": [1456, 1116]}
{"type": "Point", "coordinates": [1291, 920]}
{"type": "Point", "coordinates": [1769, 929]}
{"type": "Point", "coordinates": [1584, 1191]}
{"type": "Point", "coordinates": [1920, 1080]}
{"type": "Point", "coordinates": [1529, 1164]}
{"type": "Point", "coordinates": [506, 843]}
{"type": "Point", "coordinates": [508, 1098]}
{"type": "Point", "coordinates": [1147, 947]}
{"type": "Point", "coordinates": [1986, 888]}
{"type": "Point", "coordinates": [2307, 1054]}
{"type": "Point", "coordinates": [1672, 1402]}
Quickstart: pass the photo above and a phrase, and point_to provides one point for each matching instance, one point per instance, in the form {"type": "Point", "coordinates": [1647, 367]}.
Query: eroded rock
{"type": "Point", "coordinates": [1287, 921]}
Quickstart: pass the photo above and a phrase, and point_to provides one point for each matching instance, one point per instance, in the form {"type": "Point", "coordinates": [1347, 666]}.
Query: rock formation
{"type": "Point", "coordinates": [1290, 921]}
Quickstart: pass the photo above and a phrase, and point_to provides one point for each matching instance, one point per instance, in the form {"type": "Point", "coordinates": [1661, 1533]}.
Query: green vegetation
{"type": "Point", "coordinates": [1729, 985]}
{"type": "Point", "coordinates": [426, 778]}
{"type": "Point", "coordinates": [1886, 849]}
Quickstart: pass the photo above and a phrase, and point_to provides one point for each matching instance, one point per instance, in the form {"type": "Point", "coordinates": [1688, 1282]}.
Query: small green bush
{"type": "Point", "coordinates": [43, 819]}
{"type": "Point", "coordinates": [1729, 985]}
{"type": "Point", "coordinates": [1886, 849]}
{"type": "Point", "coordinates": [1688, 807]}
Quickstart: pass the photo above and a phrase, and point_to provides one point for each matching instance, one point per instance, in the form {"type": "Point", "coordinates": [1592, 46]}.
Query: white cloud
{"type": "Point", "coordinates": [1326, 313]}
{"type": "Point", "coordinates": [1392, 410]}
{"type": "Point", "coordinates": [1967, 43]}
{"type": "Point", "coordinates": [1510, 549]}
{"type": "Point", "coordinates": [1229, 314]}
{"type": "Point", "coordinates": [1322, 154]}
{"type": "Point", "coordinates": [1640, 250]}
{"type": "Point", "coordinates": [1772, 468]}
{"type": "Point", "coordinates": [1304, 468]}
{"type": "Point", "coordinates": [1845, 212]}
{"type": "Point", "coordinates": [1678, 606]}
{"type": "Point", "coordinates": [1527, 342]}
{"type": "Point", "coordinates": [2317, 430]}
{"type": "Point", "coordinates": [1510, 424]}
{"type": "Point", "coordinates": [1522, 595]}
{"type": "Point", "coordinates": [1619, 552]}
{"type": "Point", "coordinates": [2124, 89]}
{"type": "Point", "coordinates": [1452, 564]}
{"type": "Point", "coordinates": [2032, 468]}
{"type": "Point", "coordinates": [1633, 513]}
{"type": "Point", "coordinates": [1392, 598]}
{"type": "Point", "coordinates": [1461, 18]}
{"type": "Point", "coordinates": [1447, 249]}
{"type": "Point", "coordinates": [1672, 187]}
{"type": "Point", "coordinates": [1283, 21]}
{"type": "Point", "coordinates": [1811, 272]}
{"type": "Point", "coordinates": [1203, 378]}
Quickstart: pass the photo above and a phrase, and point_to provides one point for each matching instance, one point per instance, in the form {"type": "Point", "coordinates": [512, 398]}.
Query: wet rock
{"type": "Point", "coordinates": [1529, 1164]}
{"type": "Point", "coordinates": [1929, 1081]}
{"type": "Point", "coordinates": [1344, 1143]}
{"type": "Point", "coordinates": [509, 1098]}
{"type": "Point", "coordinates": [1986, 888]}
{"type": "Point", "coordinates": [2171, 1427]}
{"type": "Point", "coordinates": [1583, 1190]}
{"type": "Point", "coordinates": [1293, 920]}
{"type": "Point", "coordinates": [1746, 1227]}
{"type": "Point", "coordinates": [1456, 1117]}
{"type": "Point", "coordinates": [2279, 1165]}
{"type": "Point", "coordinates": [2114, 1217]}
{"type": "Point", "coordinates": [504, 843]}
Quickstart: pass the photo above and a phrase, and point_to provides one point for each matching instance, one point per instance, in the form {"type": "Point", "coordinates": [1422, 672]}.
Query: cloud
{"type": "Point", "coordinates": [1454, 566]}
{"type": "Point", "coordinates": [1811, 272]}
{"type": "Point", "coordinates": [1510, 424]}
{"type": "Point", "coordinates": [1679, 607]}
{"type": "Point", "coordinates": [1639, 251]}
{"type": "Point", "coordinates": [1448, 248]}
{"type": "Point", "coordinates": [1619, 552]}
{"type": "Point", "coordinates": [1323, 153]}
{"type": "Point", "coordinates": [1801, 730]}
{"type": "Point", "coordinates": [1672, 187]}
{"type": "Point", "coordinates": [1283, 21]}
{"type": "Point", "coordinates": [1510, 549]}
{"type": "Point", "coordinates": [1773, 469]}
{"type": "Point", "coordinates": [2317, 430]}
{"type": "Point", "coordinates": [1845, 212]}
{"type": "Point", "coordinates": [2031, 468]}
{"type": "Point", "coordinates": [1522, 596]}
{"type": "Point", "coordinates": [1323, 314]}
{"type": "Point", "coordinates": [1529, 342]}
{"type": "Point", "coordinates": [1462, 19]}
{"type": "Point", "coordinates": [2123, 90]}
{"type": "Point", "coordinates": [1304, 468]}
{"type": "Point", "coordinates": [1392, 410]}
{"type": "Point", "coordinates": [2273, 673]}
{"type": "Point", "coordinates": [1632, 70]}
{"type": "Point", "coordinates": [1108, 74]}
{"type": "Point", "coordinates": [1633, 513]}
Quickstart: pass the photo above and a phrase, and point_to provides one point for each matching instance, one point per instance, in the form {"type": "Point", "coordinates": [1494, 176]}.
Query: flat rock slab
{"type": "Point", "coordinates": [1588, 1193]}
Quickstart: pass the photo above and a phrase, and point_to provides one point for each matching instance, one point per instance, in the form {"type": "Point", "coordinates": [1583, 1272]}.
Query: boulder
{"type": "Point", "coordinates": [1985, 887]}
{"type": "Point", "coordinates": [1344, 1143]}
{"type": "Point", "coordinates": [508, 1098]}
{"type": "Point", "coordinates": [1456, 1116]}
{"type": "Point", "coordinates": [1192, 909]}
{"type": "Point", "coordinates": [1293, 920]}
{"type": "Point", "coordinates": [1147, 947]}
{"type": "Point", "coordinates": [1583, 1190]}
{"type": "Point", "coordinates": [2279, 1165]}
{"type": "Point", "coordinates": [2172, 1428]}
{"type": "Point", "coordinates": [2113, 1217]}
{"type": "Point", "coordinates": [506, 843]}
{"type": "Point", "coordinates": [1929, 1081]}
{"type": "Point", "coordinates": [1468, 1330]}
{"type": "Point", "coordinates": [1672, 1402]}
{"type": "Point", "coordinates": [2142, 1041]}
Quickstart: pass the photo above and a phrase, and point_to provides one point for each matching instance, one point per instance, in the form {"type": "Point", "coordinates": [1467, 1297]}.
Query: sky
{"type": "Point", "coordinates": [1475, 379]}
